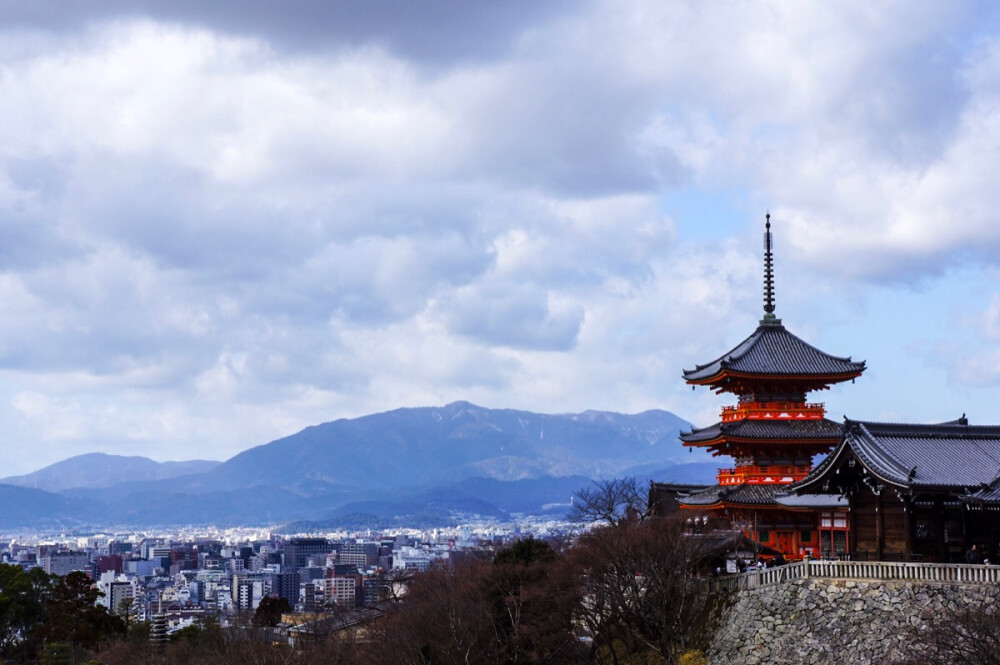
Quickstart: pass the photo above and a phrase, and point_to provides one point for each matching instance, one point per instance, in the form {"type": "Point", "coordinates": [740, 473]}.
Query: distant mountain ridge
{"type": "Point", "coordinates": [103, 470]}
{"type": "Point", "coordinates": [426, 463]}
{"type": "Point", "coordinates": [457, 441]}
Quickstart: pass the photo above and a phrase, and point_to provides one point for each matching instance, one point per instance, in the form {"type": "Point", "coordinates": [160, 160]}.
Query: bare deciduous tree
{"type": "Point", "coordinates": [517, 609]}
{"type": "Point", "coordinates": [611, 502]}
{"type": "Point", "coordinates": [641, 598]}
{"type": "Point", "coordinates": [969, 636]}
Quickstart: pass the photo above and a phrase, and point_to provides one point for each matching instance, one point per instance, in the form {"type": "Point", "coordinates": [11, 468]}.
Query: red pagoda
{"type": "Point", "coordinates": [772, 433]}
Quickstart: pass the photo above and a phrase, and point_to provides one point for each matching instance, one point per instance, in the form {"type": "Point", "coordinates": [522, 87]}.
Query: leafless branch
{"type": "Point", "coordinates": [611, 502]}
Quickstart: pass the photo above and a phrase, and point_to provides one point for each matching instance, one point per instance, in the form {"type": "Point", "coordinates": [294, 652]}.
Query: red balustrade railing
{"type": "Point", "coordinates": [774, 411]}
{"type": "Point", "coordinates": [762, 475]}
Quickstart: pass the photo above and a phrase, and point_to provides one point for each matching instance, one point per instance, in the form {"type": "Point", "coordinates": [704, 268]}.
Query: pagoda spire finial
{"type": "Point", "coordinates": [769, 317]}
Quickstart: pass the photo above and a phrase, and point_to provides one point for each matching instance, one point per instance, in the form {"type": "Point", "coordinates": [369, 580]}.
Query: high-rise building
{"type": "Point", "coordinates": [371, 587]}
{"type": "Point", "coordinates": [120, 593]}
{"type": "Point", "coordinates": [298, 552]}
{"type": "Point", "coordinates": [361, 554]}
{"type": "Point", "coordinates": [249, 589]}
{"type": "Point", "coordinates": [111, 563]}
{"type": "Point", "coordinates": [63, 563]}
{"type": "Point", "coordinates": [286, 585]}
{"type": "Point", "coordinates": [341, 591]}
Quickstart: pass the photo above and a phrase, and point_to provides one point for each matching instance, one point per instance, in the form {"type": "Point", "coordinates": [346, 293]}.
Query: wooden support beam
{"type": "Point", "coordinates": [879, 527]}
{"type": "Point", "coordinates": [908, 525]}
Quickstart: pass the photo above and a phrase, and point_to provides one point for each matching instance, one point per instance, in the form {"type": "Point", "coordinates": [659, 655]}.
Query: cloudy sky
{"type": "Point", "coordinates": [223, 222]}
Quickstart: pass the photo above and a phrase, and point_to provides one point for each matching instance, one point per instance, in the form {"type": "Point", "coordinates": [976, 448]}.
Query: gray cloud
{"type": "Point", "coordinates": [439, 31]}
{"type": "Point", "coordinates": [515, 316]}
{"type": "Point", "coordinates": [218, 226]}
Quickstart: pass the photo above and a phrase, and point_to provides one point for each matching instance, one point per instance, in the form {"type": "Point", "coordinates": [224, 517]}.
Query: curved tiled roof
{"type": "Point", "coordinates": [985, 494]}
{"type": "Point", "coordinates": [773, 351]}
{"type": "Point", "coordinates": [751, 495]}
{"type": "Point", "coordinates": [824, 501]}
{"type": "Point", "coordinates": [947, 455]}
{"type": "Point", "coordinates": [765, 430]}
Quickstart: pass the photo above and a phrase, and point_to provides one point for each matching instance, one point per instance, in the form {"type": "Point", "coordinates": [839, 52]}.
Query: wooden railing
{"type": "Point", "coordinates": [954, 573]}
{"type": "Point", "coordinates": [762, 475]}
{"type": "Point", "coordinates": [774, 411]}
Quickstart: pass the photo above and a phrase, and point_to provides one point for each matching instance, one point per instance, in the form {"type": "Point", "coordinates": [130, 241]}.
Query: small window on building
{"type": "Point", "coordinates": [763, 535]}
{"type": "Point", "coordinates": [840, 543]}
{"type": "Point", "coordinates": [825, 546]}
{"type": "Point", "coordinates": [807, 536]}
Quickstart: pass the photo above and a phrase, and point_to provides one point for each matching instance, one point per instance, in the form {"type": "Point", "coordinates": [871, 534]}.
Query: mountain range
{"type": "Point", "coordinates": [103, 470]}
{"type": "Point", "coordinates": [413, 466]}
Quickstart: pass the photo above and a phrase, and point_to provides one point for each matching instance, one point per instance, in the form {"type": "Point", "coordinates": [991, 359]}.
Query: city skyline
{"type": "Point", "coordinates": [218, 228]}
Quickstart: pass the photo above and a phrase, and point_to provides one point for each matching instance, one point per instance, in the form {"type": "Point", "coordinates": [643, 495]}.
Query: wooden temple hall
{"type": "Point", "coordinates": [884, 491]}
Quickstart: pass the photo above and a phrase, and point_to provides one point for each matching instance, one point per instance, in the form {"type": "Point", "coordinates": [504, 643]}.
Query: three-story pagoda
{"type": "Point", "coordinates": [772, 432]}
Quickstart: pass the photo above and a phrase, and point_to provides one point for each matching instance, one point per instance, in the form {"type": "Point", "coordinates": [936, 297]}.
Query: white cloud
{"type": "Point", "coordinates": [989, 319]}
{"type": "Point", "coordinates": [209, 238]}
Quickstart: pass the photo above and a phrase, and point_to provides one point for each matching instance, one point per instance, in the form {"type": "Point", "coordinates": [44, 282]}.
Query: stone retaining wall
{"type": "Point", "coordinates": [816, 621]}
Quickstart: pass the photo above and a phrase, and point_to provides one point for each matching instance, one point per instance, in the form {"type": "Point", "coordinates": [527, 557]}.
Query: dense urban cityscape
{"type": "Point", "coordinates": [185, 575]}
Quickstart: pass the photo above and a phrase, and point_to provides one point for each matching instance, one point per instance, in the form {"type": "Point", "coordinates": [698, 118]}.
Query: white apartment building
{"type": "Point", "coordinates": [338, 590]}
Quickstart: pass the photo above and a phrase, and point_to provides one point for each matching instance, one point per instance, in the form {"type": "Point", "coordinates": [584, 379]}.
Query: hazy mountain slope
{"type": "Point", "coordinates": [533, 496]}
{"type": "Point", "coordinates": [445, 505]}
{"type": "Point", "coordinates": [102, 470]}
{"type": "Point", "coordinates": [29, 507]}
{"type": "Point", "coordinates": [427, 464]}
{"type": "Point", "coordinates": [485, 497]}
{"type": "Point", "coordinates": [459, 440]}
{"type": "Point", "coordinates": [697, 473]}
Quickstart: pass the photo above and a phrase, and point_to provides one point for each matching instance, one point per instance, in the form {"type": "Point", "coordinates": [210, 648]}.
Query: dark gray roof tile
{"type": "Point", "coordinates": [736, 494]}
{"type": "Point", "coordinates": [772, 350]}
{"type": "Point", "coordinates": [947, 455]}
{"type": "Point", "coordinates": [985, 494]}
{"type": "Point", "coordinates": [823, 501]}
{"type": "Point", "coordinates": [766, 430]}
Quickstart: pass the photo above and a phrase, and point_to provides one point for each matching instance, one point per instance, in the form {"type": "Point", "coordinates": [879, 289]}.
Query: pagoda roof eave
{"type": "Point", "coordinates": [780, 443]}
{"type": "Point", "coordinates": [726, 438]}
{"type": "Point", "coordinates": [736, 506]}
{"type": "Point", "coordinates": [812, 482]}
{"type": "Point", "coordinates": [773, 352]}
{"type": "Point", "coordinates": [820, 381]}
{"type": "Point", "coordinates": [734, 496]}
{"type": "Point", "coordinates": [779, 431]}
